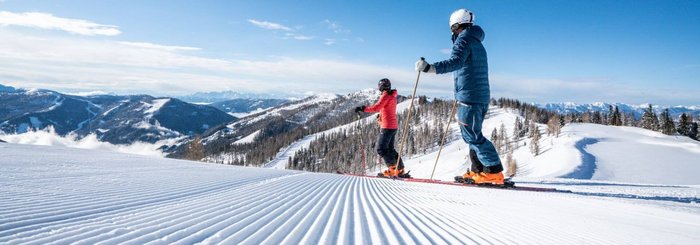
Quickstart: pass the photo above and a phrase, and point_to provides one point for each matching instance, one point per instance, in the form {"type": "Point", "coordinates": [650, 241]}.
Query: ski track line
{"type": "Point", "coordinates": [240, 207]}
{"type": "Point", "coordinates": [211, 227]}
{"type": "Point", "coordinates": [487, 227]}
{"type": "Point", "coordinates": [301, 212]}
{"type": "Point", "coordinates": [82, 210]}
{"type": "Point", "coordinates": [330, 232]}
{"type": "Point", "coordinates": [101, 190]}
{"type": "Point", "coordinates": [63, 224]}
{"type": "Point", "coordinates": [424, 215]}
{"type": "Point", "coordinates": [395, 201]}
{"type": "Point", "coordinates": [398, 225]}
{"type": "Point", "coordinates": [117, 211]}
{"type": "Point", "coordinates": [315, 231]}
{"type": "Point", "coordinates": [297, 232]}
{"type": "Point", "coordinates": [152, 218]}
{"type": "Point", "coordinates": [235, 233]}
{"type": "Point", "coordinates": [414, 210]}
{"type": "Point", "coordinates": [176, 227]}
{"type": "Point", "coordinates": [137, 192]}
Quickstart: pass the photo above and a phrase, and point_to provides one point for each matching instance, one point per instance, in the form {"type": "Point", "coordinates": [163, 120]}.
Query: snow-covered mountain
{"type": "Point", "coordinates": [66, 196]}
{"type": "Point", "coordinates": [244, 107]}
{"type": "Point", "coordinates": [636, 110]}
{"type": "Point", "coordinates": [4, 88]}
{"type": "Point", "coordinates": [219, 96]}
{"type": "Point", "coordinates": [114, 119]}
{"type": "Point", "coordinates": [283, 124]}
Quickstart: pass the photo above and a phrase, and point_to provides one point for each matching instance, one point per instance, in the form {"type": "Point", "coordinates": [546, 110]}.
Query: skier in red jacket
{"type": "Point", "coordinates": [386, 106]}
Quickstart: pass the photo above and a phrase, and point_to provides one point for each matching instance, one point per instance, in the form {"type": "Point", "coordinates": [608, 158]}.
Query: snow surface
{"type": "Point", "coordinates": [582, 151]}
{"type": "Point", "coordinates": [248, 139]}
{"type": "Point", "coordinates": [66, 195]}
{"type": "Point", "coordinates": [153, 108]}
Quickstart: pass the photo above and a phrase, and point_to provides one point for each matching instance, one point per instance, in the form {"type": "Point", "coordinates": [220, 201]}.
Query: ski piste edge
{"type": "Point", "coordinates": [441, 182]}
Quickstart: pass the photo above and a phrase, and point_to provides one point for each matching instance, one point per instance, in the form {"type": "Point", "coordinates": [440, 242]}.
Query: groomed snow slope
{"type": "Point", "coordinates": [582, 151]}
{"type": "Point", "coordinates": [56, 195]}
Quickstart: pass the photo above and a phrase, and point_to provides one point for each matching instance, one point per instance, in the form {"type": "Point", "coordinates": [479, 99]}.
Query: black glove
{"type": "Point", "coordinates": [360, 109]}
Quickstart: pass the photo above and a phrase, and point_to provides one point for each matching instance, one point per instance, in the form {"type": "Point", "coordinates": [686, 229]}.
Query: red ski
{"type": "Point", "coordinates": [510, 185]}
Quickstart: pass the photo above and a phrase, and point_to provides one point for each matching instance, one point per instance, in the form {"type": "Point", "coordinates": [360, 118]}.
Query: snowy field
{"type": "Point", "coordinates": [58, 195]}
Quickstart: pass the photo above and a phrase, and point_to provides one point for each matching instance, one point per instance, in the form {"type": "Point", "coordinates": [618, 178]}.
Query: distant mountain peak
{"type": "Point", "coordinates": [4, 88]}
{"type": "Point", "coordinates": [637, 110]}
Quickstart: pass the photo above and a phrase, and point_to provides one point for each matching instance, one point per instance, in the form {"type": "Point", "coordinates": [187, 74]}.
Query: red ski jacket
{"type": "Point", "coordinates": [386, 106]}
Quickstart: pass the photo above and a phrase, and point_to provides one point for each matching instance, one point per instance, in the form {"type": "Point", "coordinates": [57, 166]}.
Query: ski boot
{"type": "Point", "coordinates": [484, 178]}
{"type": "Point", "coordinates": [392, 172]}
{"type": "Point", "coordinates": [488, 178]}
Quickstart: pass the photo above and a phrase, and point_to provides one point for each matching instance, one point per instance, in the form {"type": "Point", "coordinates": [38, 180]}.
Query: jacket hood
{"type": "Point", "coordinates": [476, 32]}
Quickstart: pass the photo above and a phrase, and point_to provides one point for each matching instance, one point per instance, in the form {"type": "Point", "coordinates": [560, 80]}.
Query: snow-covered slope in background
{"type": "Point", "coordinates": [582, 151]}
{"type": "Point", "coordinates": [67, 195]}
{"type": "Point", "coordinates": [623, 154]}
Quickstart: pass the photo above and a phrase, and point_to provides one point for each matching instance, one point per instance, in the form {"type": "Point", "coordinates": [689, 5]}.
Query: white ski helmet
{"type": "Point", "coordinates": [461, 16]}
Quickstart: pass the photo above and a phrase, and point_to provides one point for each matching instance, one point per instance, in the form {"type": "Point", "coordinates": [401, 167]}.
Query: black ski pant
{"type": "Point", "coordinates": [385, 147]}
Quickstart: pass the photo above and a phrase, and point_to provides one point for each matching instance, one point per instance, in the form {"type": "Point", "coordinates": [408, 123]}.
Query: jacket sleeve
{"type": "Point", "coordinates": [460, 52]}
{"type": "Point", "coordinates": [383, 100]}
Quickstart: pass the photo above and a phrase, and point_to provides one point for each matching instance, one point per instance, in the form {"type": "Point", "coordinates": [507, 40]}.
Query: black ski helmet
{"type": "Point", "coordinates": [384, 84]}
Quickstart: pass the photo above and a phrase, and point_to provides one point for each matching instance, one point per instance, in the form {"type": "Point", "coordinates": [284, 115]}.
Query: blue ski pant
{"type": "Point", "coordinates": [471, 117]}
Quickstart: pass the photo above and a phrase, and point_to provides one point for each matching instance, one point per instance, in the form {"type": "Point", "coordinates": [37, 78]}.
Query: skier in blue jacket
{"type": "Point", "coordinates": [469, 66]}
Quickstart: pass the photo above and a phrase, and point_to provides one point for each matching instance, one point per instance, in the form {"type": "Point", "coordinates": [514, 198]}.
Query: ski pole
{"type": "Point", "coordinates": [444, 135]}
{"type": "Point", "coordinates": [362, 142]}
{"type": "Point", "coordinates": [408, 119]}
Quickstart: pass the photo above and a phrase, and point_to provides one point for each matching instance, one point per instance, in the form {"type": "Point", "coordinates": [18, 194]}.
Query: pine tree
{"type": "Point", "coordinates": [610, 117]}
{"type": "Point", "coordinates": [535, 142]}
{"type": "Point", "coordinates": [649, 119]}
{"type": "Point", "coordinates": [195, 149]}
{"type": "Point", "coordinates": [667, 125]}
{"type": "Point", "coordinates": [518, 129]}
{"type": "Point", "coordinates": [694, 131]}
{"type": "Point", "coordinates": [511, 165]}
{"type": "Point", "coordinates": [494, 139]}
{"type": "Point", "coordinates": [684, 124]}
{"type": "Point", "coordinates": [503, 138]}
{"type": "Point", "coordinates": [616, 117]}
{"type": "Point", "coordinates": [554, 126]}
{"type": "Point", "coordinates": [586, 117]}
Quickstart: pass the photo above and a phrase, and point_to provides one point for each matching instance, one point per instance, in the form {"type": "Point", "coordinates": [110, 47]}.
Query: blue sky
{"type": "Point", "coordinates": [539, 51]}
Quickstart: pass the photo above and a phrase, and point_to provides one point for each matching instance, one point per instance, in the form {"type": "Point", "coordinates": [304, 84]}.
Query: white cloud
{"type": "Point", "coordinates": [158, 46]}
{"type": "Point", "coordinates": [269, 25]}
{"type": "Point", "coordinates": [296, 36]}
{"type": "Point", "coordinates": [50, 22]}
{"type": "Point", "coordinates": [77, 64]}
{"type": "Point", "coordinates": [446, 51]}
{"type": "Point", "coordinates": [49, 137]}
{"type": "Point", "coordinates": [584, 90]}
{"type": "Point", "coordinates": [335, 27]}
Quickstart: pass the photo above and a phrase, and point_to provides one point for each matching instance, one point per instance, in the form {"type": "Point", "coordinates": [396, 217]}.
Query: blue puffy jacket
{"type": "Point", "coordinates": [469, 66]}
